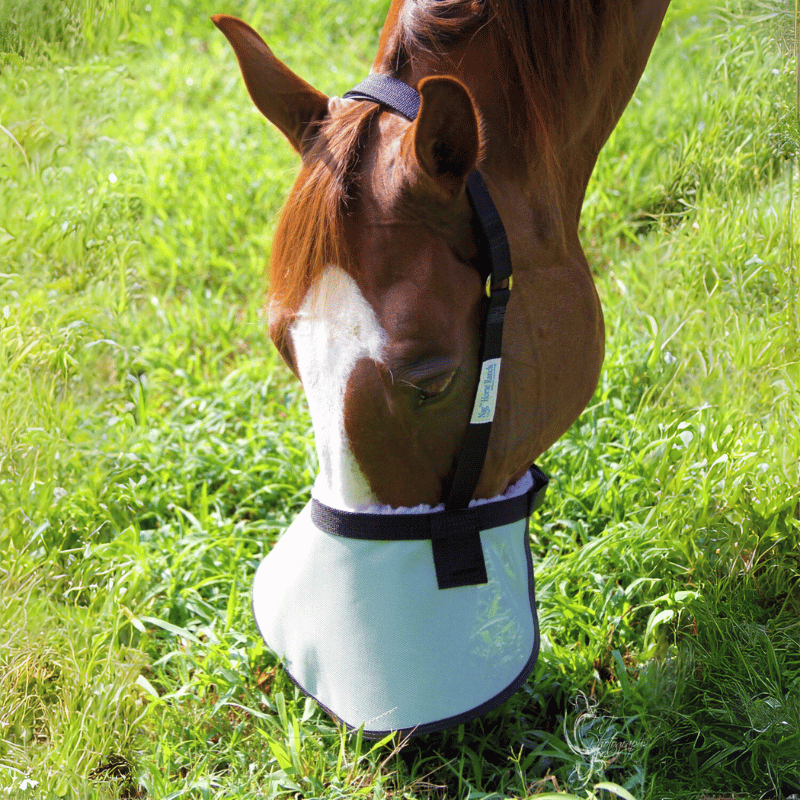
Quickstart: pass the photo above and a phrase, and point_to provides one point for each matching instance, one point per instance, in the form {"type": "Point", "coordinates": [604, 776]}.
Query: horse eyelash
{"type": "Point", "coordinates": [401, 381]}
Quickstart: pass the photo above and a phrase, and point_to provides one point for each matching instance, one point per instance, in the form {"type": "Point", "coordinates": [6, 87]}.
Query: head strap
{"type": "Point", "coordinates": [389, 92]}
{"type": "Point", "coordinates": [495, 268]}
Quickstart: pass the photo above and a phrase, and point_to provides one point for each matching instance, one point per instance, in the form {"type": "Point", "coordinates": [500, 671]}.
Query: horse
{"type": "Point", "coordinates": [375, 303]}
{"type": "Point", "coordinates": [397, 611]}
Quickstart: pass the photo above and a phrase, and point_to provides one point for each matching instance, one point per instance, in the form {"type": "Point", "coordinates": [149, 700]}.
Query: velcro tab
{"type": "Point", "coordinates": [457, 550]}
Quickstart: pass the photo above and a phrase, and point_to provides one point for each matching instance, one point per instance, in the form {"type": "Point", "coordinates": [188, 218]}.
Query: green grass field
{"type": "Point", "coordinates": [153, 447]}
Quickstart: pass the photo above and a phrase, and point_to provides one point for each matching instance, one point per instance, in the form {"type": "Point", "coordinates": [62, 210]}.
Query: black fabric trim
{"type": "Point", "coordinates": [433, 525]}
{"type": "Point", "coordinates": [465, 716]}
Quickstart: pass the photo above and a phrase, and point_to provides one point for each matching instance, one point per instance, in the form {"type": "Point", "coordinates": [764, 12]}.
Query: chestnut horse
{"type": "Point", "coordinates": [376, 304]}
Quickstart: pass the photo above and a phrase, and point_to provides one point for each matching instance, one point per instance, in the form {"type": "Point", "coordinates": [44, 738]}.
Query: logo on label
{"type": "Point", "coordinates": [486, 398]}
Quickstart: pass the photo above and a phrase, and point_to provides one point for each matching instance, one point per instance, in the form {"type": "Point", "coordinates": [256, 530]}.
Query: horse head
{"type": "Point", "coordinates": [376, 304]}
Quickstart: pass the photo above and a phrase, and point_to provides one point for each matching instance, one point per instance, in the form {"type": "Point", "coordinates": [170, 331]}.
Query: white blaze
{"type": "Point", "coordinates": [334, 328]}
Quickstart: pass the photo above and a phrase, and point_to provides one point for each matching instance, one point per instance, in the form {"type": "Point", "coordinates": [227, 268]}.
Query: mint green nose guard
{"type": "Point", "coordinates": [361, 624]}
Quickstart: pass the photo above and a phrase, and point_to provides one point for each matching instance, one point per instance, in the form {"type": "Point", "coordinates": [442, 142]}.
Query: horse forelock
{"type": "Point", "coordinates": [310, 233]}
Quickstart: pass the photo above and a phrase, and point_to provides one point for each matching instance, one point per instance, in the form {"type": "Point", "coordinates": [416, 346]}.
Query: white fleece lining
{"type": "Point", "coordinates": [515, 490]}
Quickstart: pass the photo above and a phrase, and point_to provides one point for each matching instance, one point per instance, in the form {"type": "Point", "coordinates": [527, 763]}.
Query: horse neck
{"type": "Point", "coordinates": [552, 191]}
{"type": "Point", "coordinates": [544, 124]}
{"type": "Point", "coordinates": [480, 68]}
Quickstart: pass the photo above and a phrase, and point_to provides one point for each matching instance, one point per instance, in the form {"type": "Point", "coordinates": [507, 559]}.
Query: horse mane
{"type": "Point", "coordinates": [551, 48]}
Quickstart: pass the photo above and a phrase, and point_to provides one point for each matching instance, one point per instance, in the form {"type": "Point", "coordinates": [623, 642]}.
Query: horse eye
{"type": "Point", "coordinates": [437, 386]}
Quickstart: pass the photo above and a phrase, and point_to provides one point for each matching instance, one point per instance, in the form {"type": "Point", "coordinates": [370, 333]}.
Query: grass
{"type": "Point", "coordinates": [153, 447]}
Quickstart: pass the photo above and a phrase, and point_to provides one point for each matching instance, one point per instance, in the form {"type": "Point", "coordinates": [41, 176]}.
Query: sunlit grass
{"type": "Point", "coordinates": [153, 447]}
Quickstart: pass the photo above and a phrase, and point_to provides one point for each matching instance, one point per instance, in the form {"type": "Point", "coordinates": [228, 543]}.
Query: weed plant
{"type": "Point", "coordinates": [153, 447]}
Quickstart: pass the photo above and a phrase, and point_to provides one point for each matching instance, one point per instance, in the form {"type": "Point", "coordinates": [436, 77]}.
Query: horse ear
{"type": "Point", "coordinates": [282, 97]}
{"type": "Point", "coordinates": [447, 135]}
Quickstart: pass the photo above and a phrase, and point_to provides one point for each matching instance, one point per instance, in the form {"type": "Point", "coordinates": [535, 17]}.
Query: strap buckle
{"type": "Point", "coordinates": [506, 284]}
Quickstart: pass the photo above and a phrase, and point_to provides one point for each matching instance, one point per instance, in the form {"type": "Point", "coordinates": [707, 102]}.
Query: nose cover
{"type": "Point", "coordinates": [352, 604]}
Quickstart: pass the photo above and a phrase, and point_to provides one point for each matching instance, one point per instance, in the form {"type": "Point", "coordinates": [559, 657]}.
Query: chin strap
{"type": "Point", "coordinates": [460, 546]}
{"type": "Point", "coordinates": [454, 535]}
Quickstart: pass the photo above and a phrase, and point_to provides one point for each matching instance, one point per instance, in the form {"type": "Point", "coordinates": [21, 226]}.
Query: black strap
{"type": "Point", "coordinates": [458, 559]}
{"type": "Point", "coordinates": [476, 437]}
{"type": "Point", "coordinates": [432, 525]}
{"type": "Point", "coordinates": [492, 228]}
{"type": "Point", "coordinates": [389, 92]}
{"type": "Point", "coordinates": [457, 551]}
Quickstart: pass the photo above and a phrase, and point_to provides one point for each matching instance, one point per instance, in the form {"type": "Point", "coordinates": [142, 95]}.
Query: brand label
{"type": "Point", "coordinates": [485, 400]}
